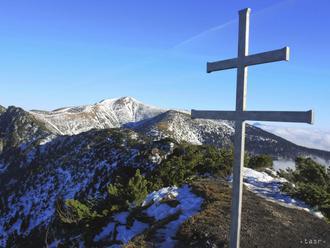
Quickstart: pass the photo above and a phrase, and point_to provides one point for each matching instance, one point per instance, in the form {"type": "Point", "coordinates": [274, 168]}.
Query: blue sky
{"type": "Point", "coordinates": [64, 53]}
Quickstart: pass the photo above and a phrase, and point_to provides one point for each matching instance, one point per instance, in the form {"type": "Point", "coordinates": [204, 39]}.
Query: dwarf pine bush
{"type": "Point", "coordinates": [260, 162]}
{"type": "Point", "coordinates": [137, 189]}
{"type": "Point", "coordinates": [75, 212]}
{"type": "Point", "coordinates": [131, 194]}
{"type": "Point", "coordinates": [312, 184]}
{"type": "Point", "coordinates": [129, 187]}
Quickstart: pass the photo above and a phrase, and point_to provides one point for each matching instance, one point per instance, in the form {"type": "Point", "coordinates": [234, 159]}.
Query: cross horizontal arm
{"type": "Point", "coordinates": [282, 116]}
{"type": "Point", "coordinates": [254, 59]}
{"type": "Point", "coordinates": [267, 57]}
{"type": "Point", "coordinates": [221, 65]}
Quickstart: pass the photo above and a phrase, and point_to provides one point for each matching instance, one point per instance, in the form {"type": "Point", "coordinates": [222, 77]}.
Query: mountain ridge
{"type": "Point", "coordinates": [108, 113]}
{"type": "Point", "coordinates": [157, 123]}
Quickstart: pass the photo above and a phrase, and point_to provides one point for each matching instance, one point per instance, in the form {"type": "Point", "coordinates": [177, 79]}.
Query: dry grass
{"type": "Point", "coordinates": [264, 223]}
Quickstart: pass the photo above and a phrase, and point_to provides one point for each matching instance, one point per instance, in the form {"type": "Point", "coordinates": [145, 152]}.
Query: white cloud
{"type": "Point", "coordinates": [304, 136]}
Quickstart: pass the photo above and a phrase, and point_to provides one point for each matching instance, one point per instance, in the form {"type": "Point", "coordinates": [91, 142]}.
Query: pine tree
{"type": "Point", "coordinates": [74, 212]}
{"type": "Point", "coordinates": [137, 189]}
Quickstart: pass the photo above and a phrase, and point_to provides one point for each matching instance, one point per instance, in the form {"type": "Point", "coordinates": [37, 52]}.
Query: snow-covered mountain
{"type": "Point", "coordinates": [108, 113]}
{"type": "Point", "coordinates": [26, 127]}
{"type": "Point", "coordinates": [181, 127]}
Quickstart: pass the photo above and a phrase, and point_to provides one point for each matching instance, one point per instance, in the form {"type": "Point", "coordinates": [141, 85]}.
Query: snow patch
{"type": "Point", "coordinates": [106, 232]}
{"type": "Point", "coordinates": [121, 217]}
{"type": "Point", "coordinates": [270, 188]}
{"type": "Point", "coordinates": [188, 205]}
{"type": "Point", "coordinates": [3, 168]}
{"type": "Point", "coordinates": [126, 234]}
{"type": "Point", "coordinates": [157, 196]}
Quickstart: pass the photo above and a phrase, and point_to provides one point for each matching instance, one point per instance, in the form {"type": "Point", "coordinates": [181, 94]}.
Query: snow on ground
{"type": "Point", "coordinates": [121, 217]}
{"type": "Point", "coordinates": [108, 113]}
{"type": "Point", "coordinates": [54, 244]}
{"type": "Point", "coordinates": [188, 205]}
{"type": "Point", "coordinates": [47, 139]}
{"type": "Point", "coordinates": [106, 232]}
{"type": "Point", "coordinates": [157, 196]}
{"type": "Point", "coordinates": [126, 234]}
{"type": "Point", "coordinates": [3, 168]}
{"type": "Point", "coordinates": [269, 188]}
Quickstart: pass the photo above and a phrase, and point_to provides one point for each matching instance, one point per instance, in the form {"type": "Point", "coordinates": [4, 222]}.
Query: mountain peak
{"type": "Point", "coordinates": [128, 98]}
{"type": "Point", "coordinates": [124, 99]}
{"type": "Point", "coordinates": [108, 113]}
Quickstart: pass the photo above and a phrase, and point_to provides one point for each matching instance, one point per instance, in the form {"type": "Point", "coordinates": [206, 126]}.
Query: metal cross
{"type": "Point", "coordinates": [240, 115]}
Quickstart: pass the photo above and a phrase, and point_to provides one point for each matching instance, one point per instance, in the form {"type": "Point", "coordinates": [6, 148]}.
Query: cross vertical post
{"type": "Point", "coordinates": [239, 139]}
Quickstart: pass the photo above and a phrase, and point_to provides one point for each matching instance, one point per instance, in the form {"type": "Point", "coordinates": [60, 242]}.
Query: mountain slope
{"type": "Point", "coordinates": [2, 109]}
{"type": "Point", "coordinates": [67, 167]}
{"type": "Point", "coordinates": [180, 126]}
{"type": "Point", "coordinates": [81, 167]}
{"type": "Point", "coordinates": [20, 128]}
{"type": "Point", "coordinates": [109, 113]}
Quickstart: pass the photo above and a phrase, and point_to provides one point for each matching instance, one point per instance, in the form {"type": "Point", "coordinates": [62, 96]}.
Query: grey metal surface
{"type": "Point", "coordinates": [282, 54]}
{"type": "Point", "coordinates": [280, 116]}
{"type": "Point", "coordinates": [239, 139]}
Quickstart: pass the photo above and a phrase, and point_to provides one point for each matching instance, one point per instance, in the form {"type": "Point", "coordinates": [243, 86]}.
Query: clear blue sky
{"type": "Point", "coordinates": [72, 52]}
